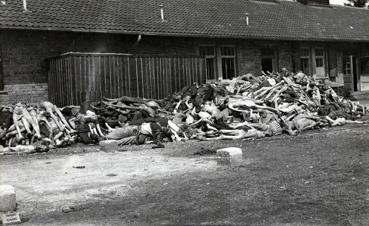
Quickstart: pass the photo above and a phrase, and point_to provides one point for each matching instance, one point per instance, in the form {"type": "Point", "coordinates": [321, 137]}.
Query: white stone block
{"type": "Point", "coordinates": [7, 198]}
{"type": "Point", "coordinates": [229, 152]}
{"type": "Point", "coordinates": [230, 156]}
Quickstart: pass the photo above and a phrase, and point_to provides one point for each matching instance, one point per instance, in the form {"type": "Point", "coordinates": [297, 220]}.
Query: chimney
{"type": "Point", "coordinates": [25, 6]}
{"type": "Point", "coordinates": [162, 12]}
{"type": "Point", "coordinates": [247, 19]}
{"type": "Point", "coordinates": [314, 2]}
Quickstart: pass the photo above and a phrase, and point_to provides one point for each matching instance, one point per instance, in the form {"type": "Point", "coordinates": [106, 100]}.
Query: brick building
{"type": "Point", "coordinates": [235, 37]}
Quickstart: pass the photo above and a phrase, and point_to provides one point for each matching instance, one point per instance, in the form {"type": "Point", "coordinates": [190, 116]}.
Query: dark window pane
{"type": "Point", "coordinates": [210, 68]}
{"type": "Point", "coordinates": [207, 51]}
{"type": "Point", "coordinates": [1, 73]}
{"type": "Point", "coordinates": [227, 51]}
{"type": "Point", "coordinates": [319, 62]}
{"type": "Point", "coordinates": [304, 65]}
{"type": "Point", "coordinates": [267, 52]}
{"type": "Point", "coordinates": [304, 52]}
{"type": "Point", "coordinates": [364, 65]}
{"type": "Point", "coordinates": [319, 52]}
{"type": "Point", "coordinates": [228, 68]}
{"type": "Point", "coordinates": [347, 66]}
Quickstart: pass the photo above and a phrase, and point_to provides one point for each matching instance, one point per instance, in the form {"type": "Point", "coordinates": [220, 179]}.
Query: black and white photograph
{"type": "Point", "coordinates": [184, 112]}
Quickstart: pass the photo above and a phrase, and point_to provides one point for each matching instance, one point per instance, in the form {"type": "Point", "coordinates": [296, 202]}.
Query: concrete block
{"type": "Point", "coordinates": [109, 145]}
{"type": "Point", "coordinates": [229, 152]}
{"type": "Point", "coordinates": [230, 156]}
{"type": "Point", "coordinates": [7, 198]}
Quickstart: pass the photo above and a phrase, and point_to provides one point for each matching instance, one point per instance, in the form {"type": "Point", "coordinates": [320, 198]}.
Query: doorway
{"type": "Point", "coordinates": [351, 77]}
{"type": "Point", "coordinates": [364, 73]}
{"type": "Point", "coordinates": [318, 61]}
{"type": "Point", "coordinates": [267, 64]}
{"type": "Point", "coordinates": [267, 60]}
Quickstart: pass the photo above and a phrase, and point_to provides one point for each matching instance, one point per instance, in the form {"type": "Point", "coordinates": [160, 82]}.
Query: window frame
{"type": "Point", "coordinates": [272, 55]}
{"type": "Point", "coordinates": [2, 83]}
{"type": "Point", "coordinates": [214, 57]}
{"type": "Point", "coordinates": [347, 65]}
{"type": "Point", "coordinates": [234, 57]}
{"type": "Point", "coordinates": [305, 57]}
{"type": "Point", "coordinates": [312, 58]}
{"type": "Point", "coordinates": [319, 57]}
{"type": "Point", "coordinates": [218, 59]}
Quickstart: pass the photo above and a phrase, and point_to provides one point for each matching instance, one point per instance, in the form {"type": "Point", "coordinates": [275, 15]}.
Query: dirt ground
{"type": "Point", "coordinates": [317, 178]}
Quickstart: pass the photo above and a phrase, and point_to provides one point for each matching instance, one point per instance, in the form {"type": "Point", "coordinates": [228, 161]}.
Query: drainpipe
{"type": "Point", "coordinates": [162, 12]}
{"type": "Point", "coordinates": [25, 6]}
{"type": "Point", "coordinates": [139, 38]}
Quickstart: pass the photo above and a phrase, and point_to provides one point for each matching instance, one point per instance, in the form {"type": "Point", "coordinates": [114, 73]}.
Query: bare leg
{"type": "Point", "coordinates": [72, 123]}
{"type": "Point", "coordinates": [26, 125]}
{"type": "Point", "coordinates": [99, 130]}
{"type": "Point", "coordinates": [15, 132]}
{"type": "Point", "coordinates": [35, 124]}
{"type": "Point", "coordinates": [16, 119]}
{"type": "Point", "coordinates": [210, 138]}
{"type": "Point", "coordinates": [57, 136]}
{"type": "Point", "coordinates": [353, 122]}
{"type": "Point", "coordinates": [109, 128]}
{"type": "Point", "coordinates": [61, 116]}
{"type": "Point", "coordinates": [241, 134]}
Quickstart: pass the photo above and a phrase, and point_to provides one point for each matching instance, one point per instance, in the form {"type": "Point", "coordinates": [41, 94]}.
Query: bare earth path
{"type": "Point", "coordinates": [318, 178]}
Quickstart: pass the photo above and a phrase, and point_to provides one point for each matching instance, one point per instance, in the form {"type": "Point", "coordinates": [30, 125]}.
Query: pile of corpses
{"type": "Point", "coordinates": [240, 108]}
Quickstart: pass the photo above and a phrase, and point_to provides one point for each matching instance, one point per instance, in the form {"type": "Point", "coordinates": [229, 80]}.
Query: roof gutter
{"type": "Point", "coordinates": [187, 35]}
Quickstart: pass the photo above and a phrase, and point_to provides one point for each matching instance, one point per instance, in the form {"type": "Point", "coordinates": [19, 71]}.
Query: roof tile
{"type": "Point", "coordinates": [201, 18]}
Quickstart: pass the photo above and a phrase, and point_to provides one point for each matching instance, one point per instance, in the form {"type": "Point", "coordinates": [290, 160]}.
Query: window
{"type": "Point", "coordinates": [1, 73]}
{"type": "Point", "coordinates": [228, 57]}
{"type": "Point", "coordinates": [267, 56]}
{"type": "Point", "coordinates": [364, 66]}
{"type": "Point", "coordinates": [209, 53]}
{"type": "Point", "coordinates": [318, 54]}
{"type": "Point", "coordinates": [312, 61]}
{"type": "Point", "coordinates": [319, 62]}
{"type": "Point", "coordinates": [220, 61]}
{"type": "Point", "coordinates": [347, 66]}
{"type": "Point", "coordinates": [305, 60]}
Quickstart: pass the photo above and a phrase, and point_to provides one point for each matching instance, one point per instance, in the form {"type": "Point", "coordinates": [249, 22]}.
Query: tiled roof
{"type": "Point", "coordinates": [193, 18]}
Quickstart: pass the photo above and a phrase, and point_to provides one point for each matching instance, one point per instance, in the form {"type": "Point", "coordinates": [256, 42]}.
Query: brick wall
{"type": "Point", "coordinates": [27, 93]}
{"type": "Point", "coordinates": [24, 55]}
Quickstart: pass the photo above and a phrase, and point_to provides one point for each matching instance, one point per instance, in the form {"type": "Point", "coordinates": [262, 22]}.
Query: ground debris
{"type": "Point", "coordinates": [79, 167]}
{"type": "Point", "coordinates": [205, 151]}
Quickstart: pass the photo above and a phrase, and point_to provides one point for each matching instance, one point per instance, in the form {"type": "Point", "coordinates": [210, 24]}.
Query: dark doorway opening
{"type": "Point", "coordinates": [267, 64]}
{"type": "Point", "coordinates": [267, 59]}
{"type": "Point", "coordinates": [228, 68]}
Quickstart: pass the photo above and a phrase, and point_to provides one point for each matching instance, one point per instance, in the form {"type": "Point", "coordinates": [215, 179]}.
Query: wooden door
{"type": "Point", "coordinates": [364, 73]}
{"type": "Point", "coordinates": [350, 78]}
{"type": "Point", "coordinates": [319, 62]}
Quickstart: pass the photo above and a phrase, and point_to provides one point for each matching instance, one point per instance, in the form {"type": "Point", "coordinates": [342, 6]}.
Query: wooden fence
{"type": "Point", "coordinates": [77, 78]}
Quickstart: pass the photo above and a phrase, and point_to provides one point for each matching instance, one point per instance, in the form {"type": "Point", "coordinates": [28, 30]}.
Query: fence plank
{"type": "Point", "coordinates": [62, 82]}
{"type": "Point", "coordinates": [74, 79]}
